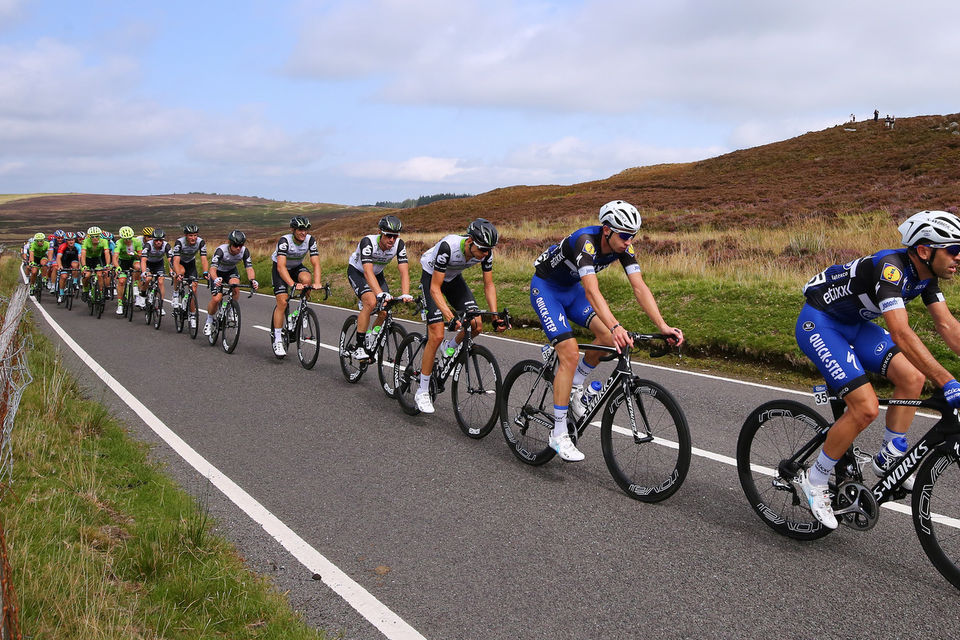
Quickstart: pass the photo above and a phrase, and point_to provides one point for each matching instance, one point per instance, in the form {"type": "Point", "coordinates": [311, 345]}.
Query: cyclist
{"type": "Point", "coordinates": [442, 281]}
{"type": "Point", "coordinates": [139, 302]}
{"type": "Point", "coordinates": [153, 262]}
{"type": "Point", "coordinates": [288, 272]}
{"type": "Point", "coordinates": [184, 261]}
{"type": "Point", "coordinates": [59, 238]}
{"type": "Point", "coordinates": [565, 287]}
{"type": "Point", "coordinates": [38, 252]}
{"type": "Point", "coordinates": [94, 254]}
{"type": "Point", "coordinates": [835, 331]}
{"type": "Point", "coordinates": [68, 257]}
{"type": "Point", "coordinates": [365, 274]}
{"type": "Point", "coordinates": [223, 267]}
{"type": "Point", "coordinates": [126, 260]}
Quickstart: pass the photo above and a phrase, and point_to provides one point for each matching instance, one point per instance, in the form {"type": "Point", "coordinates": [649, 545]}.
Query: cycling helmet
{"type": "Point", "coordinates": [159, 234]}
{"type": "Point", "coordinates": [108, 235]}
{"type": "Point", "coordinates": [94, 231]}
{"type": "Point", "coordinates": [191, 228]}
{"type": "Point", "coordinates": [126, 233]}
{"type": "Point", "coordinates": [70, 235]}
{"type": "Point", "coordinates": [39, 236]}
{"type": "Point", "coordinates": [146, 232]}
{"type": "Point", "coordinates": [390, 224]}
{"type": "Point", "coordinates": [81, 235]}
{"type": "Point", "coordinates": [930, 227]}
{"type": "Point", "coordinates": [237, 238]}
{"type": "Point", "coordinates": [620, 216]}
{"type": "Point", "coordinates": [299, 222]}
{"type": "Point", "coordinates": [483, 233]}
{"type": "Point", "coordinates": [59, 233]}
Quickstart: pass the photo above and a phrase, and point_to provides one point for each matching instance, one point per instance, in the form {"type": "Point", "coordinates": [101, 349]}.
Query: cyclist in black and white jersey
{"type": "Point", "coordinates": [153, 262]}
{"type": "Point", "coordinates": [289, 272]}
{"type": "Point", "coordinates": [365, 274]}
{"type": "Point", "coordinates": [223, 268]}
{"type": "Point", "coordinates": [442, 281]}
{"type": "Point", "coordinates": [184, 258]}
{"type": "Point", "coordinates": [835, 330]}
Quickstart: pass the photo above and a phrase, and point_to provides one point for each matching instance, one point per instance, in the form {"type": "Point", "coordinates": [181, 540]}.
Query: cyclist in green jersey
{"type": "Point", "coordinates": [39, 253]}
{"type": "Point", "coordinates": [126, 259]}
{"type": "Point", "coordinates": [94, 254]}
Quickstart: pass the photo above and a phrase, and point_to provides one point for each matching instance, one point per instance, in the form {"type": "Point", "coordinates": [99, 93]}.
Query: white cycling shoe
{"type": "Point", "coordinates": [424, 404]}
{"type": "Point", "coordinates": [278, 349]}
{"type": "Point", "coordinates": [119, 309]}
{"type": "Point", "coordinates": [565, 448]}
{"type": "Point", "coordinates": [818, 499]}
{"type": "Point", "coordinates": [208, 329]}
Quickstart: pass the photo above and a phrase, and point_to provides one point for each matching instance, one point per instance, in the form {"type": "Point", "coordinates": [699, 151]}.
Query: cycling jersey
{"type": "Point", "coordinates": [69, 252]}
{"type": "Point", "coordinates": [38, 249]}
{"type": "Point", "coordinates": [295, 253]}
{"type": "Point", "coordinates": [129, 249]}
{"type": "Point", "coordinates": [188, 252]}
{"type": "Point", "coordinates": [155, 255]}
{"type": "Point", "coordinates": [449, 257]}
{"type": "Point", "coordinates": [865, 288]}
{"type": "Point", "coordinates": [577, 255]}
{"type": "Point", "coordinates": [224, 261]}
{"type": "Point", "coordinates": [368, 251]}
{"type": "Point", "coordinates": [94, 250]}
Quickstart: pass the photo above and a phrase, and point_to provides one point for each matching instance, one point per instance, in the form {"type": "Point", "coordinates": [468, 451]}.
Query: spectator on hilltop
{"type": "Point", "coordinates": [876, 115]}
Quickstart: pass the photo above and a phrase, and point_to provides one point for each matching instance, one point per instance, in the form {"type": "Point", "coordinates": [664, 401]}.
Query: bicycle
{"type": "Point", "coordinates": [385, 347]}
{"type": "Point", "coordinates": [36, 289]}
{"type": "Point", "coordinates": [301, 326]}
{"type": "Point", "coordinates": [477, 382]}
{"type": "Point", "coordinates": [153, 306]}
{"type": "Point", "coordinates": [96, 299]}
{"type": "Point", "coordinates": [185, 311]}
{"type": "Point", "coordinates": [643, 431]}
{"type": "Point", "coordinates": [126, 296]}
{"type": "Point", "coordinates": [781, 437]}
{"type": "Point", "coordinates": [71, 289]}
{"type": "Point", "coordinates": [226, 320]}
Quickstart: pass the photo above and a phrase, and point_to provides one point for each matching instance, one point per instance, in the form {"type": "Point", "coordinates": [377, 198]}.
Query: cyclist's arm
{"type": "Point", "coordinates": [281, 269]}
{"type": "Point", "coordinates": [206, 263]}
{"type": "Point", "coordinates": [371, 278]}
{"type": "Point", "coordinates": [83, 256]}
{"type": "Point", "coordinates": [106, 253]}
{"type": "Point", "coordinates": [649, 305]}
{"type": "Point", "coordinates": [489, 290]}
{"type": "Point", "coordinates": [912, 346]}
{"type": "Point", "coordinates": [175, 264]}
{"type": "Point", "coordinates": [946, 325]}
{"type": "Point", "coordinates": [404, 270]}
{"type": "Point", "coordinates": [251, 274]}
{"type": "Point", "coordinates": [317, 276]}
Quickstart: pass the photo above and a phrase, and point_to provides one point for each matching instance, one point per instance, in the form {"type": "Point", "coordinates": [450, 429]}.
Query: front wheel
{"type": "Point", "coordinates": [193, 318]}
{"type": "Point", "coordinates": [387, 358]}
{"type": "Point", "coordinates": [231, 327]}
{"type": "Point", "coordinates": [352, 368]}
{"type": "Point", "coordinates": [526, 411]}
{"type": "Point", "coordinates": [771, 435]}
{"type": "Point", "coordinates": [476, 387]}
{"type": "Point", "coordinates": [936, 510]}
{"type": "Point", "coordinates": [406, 372]}
{"type": "Point", "coordinates": [179, 315]}
{"type": "Point", "coordinates": [308, 338]}
{"type": "Point", "coordinates": [645, 441]}
{"type": "Point", "coordinates": [157, 314]}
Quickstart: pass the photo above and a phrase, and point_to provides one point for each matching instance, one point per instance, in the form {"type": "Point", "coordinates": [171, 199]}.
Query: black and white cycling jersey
{"type": "Point", "coordinates": [189, 252]}
{"type": "Point", "coordinates": [368, 251]}
{"type": "Point", "coordinates": [449, 257]}
{"type": "Point", "coordinates": [295, 253]}
{"type": "Point", "coordinates": [224, 261]}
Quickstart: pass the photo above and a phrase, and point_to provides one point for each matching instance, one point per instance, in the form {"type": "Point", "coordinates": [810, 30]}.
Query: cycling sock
{"type": "Point", "coordinates": [424, 383]}
{"type": "Point", "coordinates": [890, 435]}
{"type": "Point", "coordinates": [559, 421]}
{"type": "Point", "coordinates": [583, 370]}
{"type": "Point", "coordinates": [277, 335]}
{"type": "Point", "coordinates": [820, 472]}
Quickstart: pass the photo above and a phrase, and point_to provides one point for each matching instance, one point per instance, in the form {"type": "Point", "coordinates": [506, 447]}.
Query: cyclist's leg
{"type": "Point", "coordinates": [460, 297]}
{"type": "Point", "coordinates": [282, 297]}
{"type": "Point", "coordinates": [882, 356]}
{"type": "Point", "coordinates": [361, 289]}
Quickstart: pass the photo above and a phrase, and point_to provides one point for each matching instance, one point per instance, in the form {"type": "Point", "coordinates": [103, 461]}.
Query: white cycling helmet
{"type": "Point", "coordinates": [620, 216]}
{"type": "Point", "coordinates": [930, 227]}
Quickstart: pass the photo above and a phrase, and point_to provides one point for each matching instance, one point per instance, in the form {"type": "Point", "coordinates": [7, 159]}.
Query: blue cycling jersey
{"type": "Point", "coordinates": [578, 255]}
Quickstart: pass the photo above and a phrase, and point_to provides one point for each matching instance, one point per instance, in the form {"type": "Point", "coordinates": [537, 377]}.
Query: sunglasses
{"type": "Point", "coordinates": [626, 237]}
{"type": "Point", "coordinates": [952, 249]}
{"type": "Point", "coordinates": [391, 236]}
{"type": "Point", "coordinates": [483, 249]}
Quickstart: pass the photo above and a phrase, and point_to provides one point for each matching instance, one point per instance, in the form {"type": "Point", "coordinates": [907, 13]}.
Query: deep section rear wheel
{"type": "Point", "coordinates": [352, 368]}
{"type": "Point", "coordinates": [936, 510]}
{"type": "Point", "coordinates": [231, 327]}
{"type": "Point", "coordinates": [475, 392]}
{"type": "Point", "coordinates": [406, 372]}
{"type": "Point", "coordinates": [308, 338]}
{"type": "Point", "coordinates": [526, 411]}
{"type": "Point", "coordinates": [387, 357]}
{"type": "Point", "coordinates": [193, 318]}
{"type": "Point", "coordinates": [179, 315]}
{"type": "Point", "coordinates": [157, 315]}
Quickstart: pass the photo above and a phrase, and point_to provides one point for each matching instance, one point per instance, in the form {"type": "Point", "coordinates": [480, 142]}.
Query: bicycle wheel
{"type": "Point", "coordinates": [157, 314]}
{"type": "Point", "coordinates": [68, 297]}
{"type": "Point", "coordinates": [772, 433]}
{"type": "Point", "coordinates": [215, 327]}
{"type": "Point", "coordinates": [38, 288]}
{"type": "Point", "coordinates": [308, 338]}
{"type": "Point", "coordinates": [476, 386]}
{"type": "Point", "coordinates": [526, 411]}
{"type": "Point", "coordinates": [648, 451]}
{"type": "Point", "coordinates": [387, 357]}
{"type": "Point", "coordinates": [936, 511]}
{"type": "Point", "coordinates": [179, 315]}
{"type": "Point", "coordinates": [99, 302]}
{"type": "Point", "coordinates": [129, 299]}
{"type": "Point", "coordinates": [406, 372]}
{"type": "Point", "coordinates": [193, 318]}
{"type": "Point", "coordinates": [352, 368]}
{"type": "Point", "coordinates": [231, 327]}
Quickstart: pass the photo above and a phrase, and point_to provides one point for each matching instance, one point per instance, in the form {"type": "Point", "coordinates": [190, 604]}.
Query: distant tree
{"type": "Point", "coordinates": [409, 203]}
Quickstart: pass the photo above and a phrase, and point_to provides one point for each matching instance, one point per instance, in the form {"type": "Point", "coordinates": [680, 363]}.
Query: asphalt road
{"type": "Point", "coordinates": [460, 540]}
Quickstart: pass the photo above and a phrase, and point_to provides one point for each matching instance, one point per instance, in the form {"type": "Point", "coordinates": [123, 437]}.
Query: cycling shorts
{"type": "Point", "coordinates": [189, 269]}
{"type": "Point", "coordinates": [279, 286]}
{"type": "Point", "coordinates": [156, 268]}
{"type": "Point", "coordinates": [94, 263]}
{"type": "Point", "coordinates": [555, 305]}
{"type": "Point", "coordinates": [126, 264]}
{"type": "Point", "coordinates": [227, 276]}
{"type": "Point", "coordinates": [842, 352]}
{"type": "Point", "coordinates": [456, 292]}
{"type": "Point", "coordinates": [359, 283]}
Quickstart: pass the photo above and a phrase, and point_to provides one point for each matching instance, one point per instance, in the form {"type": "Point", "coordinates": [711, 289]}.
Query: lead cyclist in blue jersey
{"type": "Point", "coordinates": [835, 331]}
{"type": "Point", "coordinates": [565, 288]}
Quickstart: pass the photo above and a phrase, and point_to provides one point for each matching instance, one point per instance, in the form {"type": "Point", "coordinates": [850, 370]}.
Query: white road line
{"type": "Point", "coordinates": [389, 623]}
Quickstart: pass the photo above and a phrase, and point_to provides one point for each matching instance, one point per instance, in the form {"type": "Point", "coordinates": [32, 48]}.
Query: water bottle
{"type": "Point", "coordinates": [546, 352]}
{"type": "Point", "coordinates": [591, 393]}
{"type": "Point", "coordinates": [292, 319]}
{"type": "Point", "coordinates": [371, 338]}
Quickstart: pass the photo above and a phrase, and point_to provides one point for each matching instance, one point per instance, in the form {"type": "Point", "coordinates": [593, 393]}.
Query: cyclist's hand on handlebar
{"type": "Point", "coordinates": [255, 284]}
{"type": "Point", "coordinates": [406, 298]}
{"type": "Point", "coordinates": [453, 324]}
{"type": "Point", "coordinates": [951, 391]}
{"type": "Point", "coordinates": [677, 338]}
{"type": "Point", "coordinates": [621, 337]}
{"type": "Point", "coordinates": [500, 324]}
{"type": "Point", "coordinates": [217, 281]}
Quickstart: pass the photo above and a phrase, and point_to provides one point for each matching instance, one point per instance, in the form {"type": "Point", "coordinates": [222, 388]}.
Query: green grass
{"type": "Point", "coordinates": [103, 545]}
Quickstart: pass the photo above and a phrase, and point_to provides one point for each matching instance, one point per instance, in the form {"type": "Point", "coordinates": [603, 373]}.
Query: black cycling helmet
{"type": "Point", "coordinates": [390, 224]}
{"type": "Point", "coordinates": [159, 234]}
{"type": "Point", "coordinates": [299, 222]}
{"type": "Point", "coordinates": [237, 238]}
{"type": "Point", "coordinates": [191, 228]}
{"type": "Point", "coordinates": [484, 234]}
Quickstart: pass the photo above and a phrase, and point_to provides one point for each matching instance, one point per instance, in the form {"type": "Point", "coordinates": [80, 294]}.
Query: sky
{"type": "Point", "coordinates": [360, 101]}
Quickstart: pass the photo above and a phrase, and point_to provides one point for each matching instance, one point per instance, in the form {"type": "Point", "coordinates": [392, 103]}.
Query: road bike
{"type": "Point", "coordinates": [781, 437]}
{"type": "Point", "coordinates": [153, 307]}
{"type": "Point", "coordinates": [301, 326]}
{"type": "Point", "coordinates": [36, 289]}
{"type": "Point", "coordinates": [185, 310]}
{"type": "Point", "coordinates": [643, 431]}
{"type": "Point", "coordinates": [71, 287]}
{"type": "Point", "coordinates": [476, 375]}
{"type": "Point", "coordinates": [384, 349]}
{"type": "Point", "coordinates": [127, 295]}
{"type": "Point", "coordinates": [97, 298]}
{"type": "Point", "coordinates": [226, 320]}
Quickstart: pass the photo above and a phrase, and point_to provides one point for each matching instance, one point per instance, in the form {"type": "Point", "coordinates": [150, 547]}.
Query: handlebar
{"type": "Point", "coordinates": [386, 305]}
{"type": "Point", "coordinates": [463, 317]}
{"type": "Point", "coordinates": [612, 352]}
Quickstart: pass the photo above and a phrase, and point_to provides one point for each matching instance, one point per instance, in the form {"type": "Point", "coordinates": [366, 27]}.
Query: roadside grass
{"type": "Point", "coordinates": [103, 545]}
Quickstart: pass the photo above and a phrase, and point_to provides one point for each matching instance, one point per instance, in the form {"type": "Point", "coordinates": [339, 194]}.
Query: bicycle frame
{"type": "Point", "coordinates": [440, 376]}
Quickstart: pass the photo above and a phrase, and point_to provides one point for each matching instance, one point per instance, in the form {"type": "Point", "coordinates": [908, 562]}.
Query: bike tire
{"type": "Point", "coordinates": [387, 357]}
{"type": "Point", "coordinates": [68, 298]}
{"type": "Point", "coordinates": [652, 465]}
{"type": "Point", "coordinates": [99, 304]}
{"type": "Point", "coordinates": [193, 314]}
{"type": "Point", "coordinates": [526, 412]}
{"type": "Point", "coordinates": [352, 368]}
{"type": "Point", "coordinates": [475, 392]}
{"type": "Point", "coordinates": [157, 315]}
{"type": "Point", "coordinates": [773, 432]}
{"type": "Point", "coordinates": [308, 338]}
{"type": "Point", "coordinates": [179, 315]}
{"type": "Point", "coordinates": [231, 327]}
{"type": "Point", "coordinates": [38, 289]}
{"type": "Point", "coordinates": [406, 372]}
{"type": "Point", "coordinates": [936, 500]}
{"type": "Point", "coordinates": [215, 329]}
{"type": "Point", "coordinates": [129, 299]}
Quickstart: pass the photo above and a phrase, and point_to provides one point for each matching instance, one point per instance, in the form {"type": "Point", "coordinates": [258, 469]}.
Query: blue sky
{"type": "Point", "coordinates": [358, 101]}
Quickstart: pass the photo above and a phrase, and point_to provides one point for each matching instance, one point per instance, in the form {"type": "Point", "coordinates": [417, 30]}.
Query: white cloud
{"type": "Point", "coordinates": [419, 169]}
